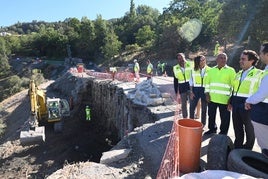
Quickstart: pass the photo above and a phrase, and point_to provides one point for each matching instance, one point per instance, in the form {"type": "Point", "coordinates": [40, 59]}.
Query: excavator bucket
{"type": "Point", "coordinates": [31, 137]}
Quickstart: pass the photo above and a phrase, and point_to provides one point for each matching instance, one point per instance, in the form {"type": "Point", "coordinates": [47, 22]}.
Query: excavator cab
{"type": "Point", "coordinates": [53, 106]}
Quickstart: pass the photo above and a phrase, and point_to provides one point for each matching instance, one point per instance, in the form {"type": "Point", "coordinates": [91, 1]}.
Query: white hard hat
{"type": "Point", "coordinates": [135, 60]}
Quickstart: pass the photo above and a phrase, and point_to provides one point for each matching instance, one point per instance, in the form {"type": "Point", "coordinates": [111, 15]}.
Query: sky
{"type": "Point", "coordinates": [13, 11]}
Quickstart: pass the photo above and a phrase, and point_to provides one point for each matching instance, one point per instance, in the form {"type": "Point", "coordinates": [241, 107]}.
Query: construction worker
{"type": "Point", "coordinates": [243, 85]}
{"type": "Point", "coordinates": [87, 113]}
{"type": "Point", "coordinates": [159, 69]}
{"type": "Point", "coordinates": [150, 69]}
{"type": "Point", "coordinates": [181, 73]}
{"type": "Point", "coordinates": [217, 48]}
{"type": "Point", "coordinates": [163, 68]}
{"type": "Point", "coordinates": [197, 87]}
{"type": "Point", "coordinates": [258, 104]}
{"type": "Point", "coordinates": [136, 71]}
{"type": "Point", "coordinates": [218, 90]}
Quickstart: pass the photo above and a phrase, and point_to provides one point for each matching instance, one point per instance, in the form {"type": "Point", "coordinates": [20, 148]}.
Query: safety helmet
{"type": "Point", "coordinates": [135, 60]}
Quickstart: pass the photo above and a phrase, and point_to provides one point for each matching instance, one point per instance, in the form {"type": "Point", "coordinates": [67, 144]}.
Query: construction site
{"type": "Point", "coordinates": [132, 131]}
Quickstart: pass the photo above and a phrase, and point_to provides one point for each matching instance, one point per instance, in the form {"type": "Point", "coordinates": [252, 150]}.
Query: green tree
{"type": "Point", "coordinates": [12, 86]}
{"type": "Point", "coordinates": [112, 45]}
{"type": "Point", "coordinates": [4, 65]}
{"type": "Point", "coordinates": [145, 36]}
{"type": "Point", "coordinates": [244, 18]}
{"type": "Point", "coordinates": [85, 46]}
{"type": "Point", "coordinates": [100, 32]}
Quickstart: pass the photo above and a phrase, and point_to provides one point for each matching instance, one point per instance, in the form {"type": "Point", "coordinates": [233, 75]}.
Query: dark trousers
{"type": "Point", "coordinates": [242, 125]}
{"type": "Point", "coordinates": [184, 98]}
{"type": "Point", "coordinates": [199, 93]}
{"type": "Point", "coordinates": [224, 115]}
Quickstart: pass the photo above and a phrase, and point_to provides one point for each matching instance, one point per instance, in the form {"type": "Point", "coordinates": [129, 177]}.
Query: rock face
{"type": "Point", "coordinates": [126, 112]}
{"type": "Point", "coordinates": [110, 106]}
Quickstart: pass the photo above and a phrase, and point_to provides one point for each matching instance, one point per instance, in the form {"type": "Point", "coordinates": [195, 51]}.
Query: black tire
{"type": "Point", "coordinates": [219, 148]}
{"type": "Point", "coordinates": [248, 162]}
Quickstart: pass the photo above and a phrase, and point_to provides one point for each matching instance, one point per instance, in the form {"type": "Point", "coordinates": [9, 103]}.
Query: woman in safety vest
{"type": "Point", "coordinates": [197, 87]}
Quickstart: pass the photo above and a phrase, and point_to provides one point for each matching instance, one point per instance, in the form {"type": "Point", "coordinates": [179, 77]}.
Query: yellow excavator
{"type": "Point", "coordinates": [43, 110]}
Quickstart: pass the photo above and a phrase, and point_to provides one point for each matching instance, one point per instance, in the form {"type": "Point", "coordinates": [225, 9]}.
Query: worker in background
{"type": "Point", "coordinates": [150, 69]}
{"type": "Point", "coordinates": [245, 80]}
{"type": "Point", "coordinates": [136, 71]}
{"type": "Point", "coordinates": [87, 110]}
{"type": "Point", "coordinates": [159, 69]}
{"type": "Point", "coordinates": [163, 68]}
{"type": "Point", "coordinates": [197, 87]}
{"type": "Point", "coordinates": [181, 73]}
{"type": "Point", "coordinates": [218, 90]}
{"type": "Point", "coordinates": [113, 70]}
{"type": "Point", "coordinates": [217, 49]}
{"type": "Point", "coordinates": [258, 104]}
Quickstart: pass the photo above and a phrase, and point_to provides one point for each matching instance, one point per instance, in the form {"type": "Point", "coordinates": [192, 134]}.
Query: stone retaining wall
{"type": "Point", "coordinates": [110, 107]}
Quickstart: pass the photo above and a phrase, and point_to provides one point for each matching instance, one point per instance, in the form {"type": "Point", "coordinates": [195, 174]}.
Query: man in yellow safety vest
{"type": "Point", "coordinates": [243, 85]}
{"type": "Point", "coordinates": [87, 110]}
{"type": "Point", "coordinates": [218, 90]}
{"type": "Point", "coordinates": [149, 69]}
{"type": "Point", "coordinates": [136, 71]}
{"type": "Point", "coordinates": [258, 104]}
{"type": "Point", "coordinates": [181, 73]}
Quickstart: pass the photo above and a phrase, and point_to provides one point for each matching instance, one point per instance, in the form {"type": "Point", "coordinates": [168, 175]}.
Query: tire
{"type": "Point", "coordinates": [219, 148]}
{"type": "Point", "coordinates": [248, 162]}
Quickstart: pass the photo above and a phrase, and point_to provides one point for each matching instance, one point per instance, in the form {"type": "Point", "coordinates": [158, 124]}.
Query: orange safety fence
{"type": "Point", "coordinates": [100, 74]}
{"type": "Point", "coordinates": [169, 167]}
{"type": "Point", "coordinates": [124, 76]}
{"type": "Point", "coordinates": [120, 76]}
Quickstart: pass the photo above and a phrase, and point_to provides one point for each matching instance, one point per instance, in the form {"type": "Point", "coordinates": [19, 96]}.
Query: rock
{"type": "Point", "coordinates": [114, 155]}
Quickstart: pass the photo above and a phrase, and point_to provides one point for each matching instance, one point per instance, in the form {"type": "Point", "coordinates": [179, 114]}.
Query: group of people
{"type": "Point", "coordinates": [220, 87]}
{"type": "Point", "coordinates": [149, 69]}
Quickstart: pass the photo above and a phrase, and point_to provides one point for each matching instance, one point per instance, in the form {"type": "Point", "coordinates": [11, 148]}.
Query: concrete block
{"type": "Point", "coordinates": [114, 155]}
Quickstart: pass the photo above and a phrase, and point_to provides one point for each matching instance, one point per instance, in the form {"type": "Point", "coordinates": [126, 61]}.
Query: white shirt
{"type": "Point", "coordinates": [245, 73]}
{"type": "Point", "coordinates": [262, 92]}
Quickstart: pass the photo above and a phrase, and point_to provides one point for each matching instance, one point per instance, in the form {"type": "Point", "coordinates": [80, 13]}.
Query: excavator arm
{"type": "Point", "coordinates": [35, 134]}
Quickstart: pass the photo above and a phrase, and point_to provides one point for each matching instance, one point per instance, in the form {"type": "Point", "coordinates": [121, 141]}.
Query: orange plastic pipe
{"type": "Point", "coordinates": [190, 136]}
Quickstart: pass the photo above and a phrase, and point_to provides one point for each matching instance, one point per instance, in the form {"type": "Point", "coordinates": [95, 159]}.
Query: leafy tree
{"type": "Point", "coordinates": [244, 18]}
{"type": "Point", "coordinates": [145, 36]}
{"type": "Point", "coordinates": [112, 45]}
{"type": "Point", "coordinates": [4, 65]}
{"type": "Point", "coordinates": [100, 32]}
{"type": "Point", "coordinates": [12, 86]}
{"type": "Point", "coordinates": [85, 45]}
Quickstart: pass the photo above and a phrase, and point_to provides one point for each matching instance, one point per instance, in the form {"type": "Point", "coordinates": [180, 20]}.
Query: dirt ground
{"type": "Point", "coordinates": [59, 149]}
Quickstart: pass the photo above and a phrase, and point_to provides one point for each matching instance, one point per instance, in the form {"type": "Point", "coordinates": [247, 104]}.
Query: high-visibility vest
{"type": "Point", "coordinates": [265, 73]}
{"type": "Point", "coordinates": [150, 68]}
{"type": "Point", "coordinates": [250, 83]}
{"type": "Point", "coordinates": [182, 76]}
{"type": "Point", "coordinates": [159, 66]}
{"type": "Point", "coordinates": [87, 111]}
{"type": "Point", "coordinates": [218, 84]}
{"type": "Point", "coordinates": [198, 79]}
{"type": "Point", "coordinates": [136, 67]}
{"type": "Point", "coordinates": [163, 66]}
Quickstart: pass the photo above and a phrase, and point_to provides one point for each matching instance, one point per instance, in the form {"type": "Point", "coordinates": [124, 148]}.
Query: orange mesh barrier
{"type": "Point", "coordinates": [169, 166]}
